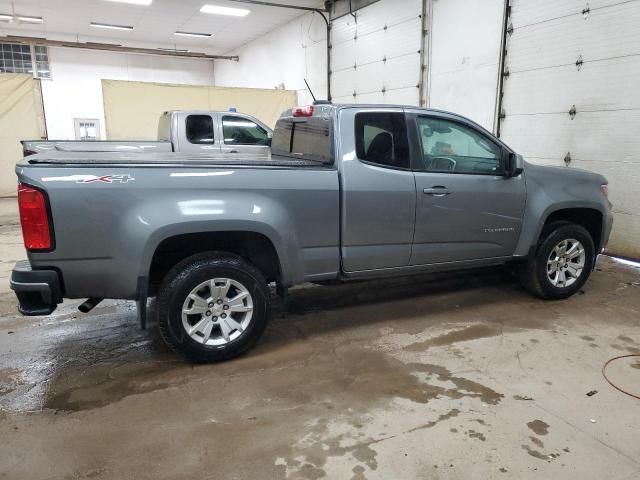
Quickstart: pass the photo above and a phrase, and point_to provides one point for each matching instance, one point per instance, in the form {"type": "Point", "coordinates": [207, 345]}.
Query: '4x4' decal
{"type": "Point", "coordinates": [107, 179]}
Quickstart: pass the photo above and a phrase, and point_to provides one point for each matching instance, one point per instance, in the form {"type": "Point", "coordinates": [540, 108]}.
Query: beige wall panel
{"type": "Point", "coordinates": [132, 109]}
{"type": "Point", "coordinates": [20, 119]}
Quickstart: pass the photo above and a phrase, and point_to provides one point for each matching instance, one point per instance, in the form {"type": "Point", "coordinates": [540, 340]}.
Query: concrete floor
{"type": "Point", "coordinates": [450, 377]}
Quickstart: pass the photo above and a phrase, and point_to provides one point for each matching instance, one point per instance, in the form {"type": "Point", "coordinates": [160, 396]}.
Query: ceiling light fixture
{"type": "Point", "coordinates": [110, 26]}
{"type": "Point", "coordinates": [193, 34]}
{"type": "Point", "coordinates": [145, 3]}
{"type": "Point", "coordinates": [27, 19]}
{"type": "Point", "coordinates": [5, 18]}
{"type": "Point", "coordinates": [217, 10]}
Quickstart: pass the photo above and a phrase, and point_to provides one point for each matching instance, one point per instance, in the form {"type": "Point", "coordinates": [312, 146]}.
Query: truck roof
{"type": "Point", "coordinates": [324, 108]}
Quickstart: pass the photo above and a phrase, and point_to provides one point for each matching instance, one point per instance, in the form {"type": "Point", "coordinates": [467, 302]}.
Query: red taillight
{"type": "Point", "coordinates": [34, 218]}
{"type": "Point", "coordinates": [303, 111]}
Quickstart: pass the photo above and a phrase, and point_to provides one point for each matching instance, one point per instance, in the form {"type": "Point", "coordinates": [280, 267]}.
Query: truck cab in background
{"type": "Point", "coordinates": [190, 131]}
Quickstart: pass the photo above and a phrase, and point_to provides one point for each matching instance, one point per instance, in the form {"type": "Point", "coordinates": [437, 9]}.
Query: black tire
{"type": "Point", "coordinates": [533, 272]}
{"type": "Point", "coordinates": [188, 274]}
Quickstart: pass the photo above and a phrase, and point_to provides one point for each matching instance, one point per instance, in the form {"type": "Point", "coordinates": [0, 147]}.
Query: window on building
{"type": "Point", "coordinates": [16, 58]}
{"type": "Point", "coordinates": [87, 129]}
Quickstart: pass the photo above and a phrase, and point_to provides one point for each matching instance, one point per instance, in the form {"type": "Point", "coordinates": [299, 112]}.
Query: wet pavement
{"type": "Point", "coordinates": [438, 377]}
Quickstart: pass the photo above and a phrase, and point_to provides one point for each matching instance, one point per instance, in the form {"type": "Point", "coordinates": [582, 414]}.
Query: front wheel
{"type": "Point", "coordinates": [212, 307]}
{"type": "Point", "coordinates": [562, 263]}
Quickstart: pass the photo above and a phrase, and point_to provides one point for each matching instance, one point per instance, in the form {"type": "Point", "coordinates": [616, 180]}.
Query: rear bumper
{"type": "Point", "coordinates": [39, 291]}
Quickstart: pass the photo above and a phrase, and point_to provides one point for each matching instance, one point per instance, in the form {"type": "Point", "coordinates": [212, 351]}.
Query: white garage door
{"type": "Point", "coordinates": [375, 57]}
{"type": "Point", "coordinates": [572, 96]}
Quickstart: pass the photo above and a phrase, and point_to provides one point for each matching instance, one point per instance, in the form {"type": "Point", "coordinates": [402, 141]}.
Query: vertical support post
{"type": "Point", "coordinates": [425, 42]}
{"type": "Point", "coordinates": [501, 72]}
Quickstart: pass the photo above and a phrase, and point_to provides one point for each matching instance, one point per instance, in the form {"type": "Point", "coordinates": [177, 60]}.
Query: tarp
{"type": "Point", "coordinates": [20, 119]}
{"type": "Point", "coordinates": [132, 109]}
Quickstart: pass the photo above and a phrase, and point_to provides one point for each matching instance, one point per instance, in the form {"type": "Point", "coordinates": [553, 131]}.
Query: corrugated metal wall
{"type": "Point", "coordinates": [571, 96]}
{"type": "Point", "coordinates": [375, 57]}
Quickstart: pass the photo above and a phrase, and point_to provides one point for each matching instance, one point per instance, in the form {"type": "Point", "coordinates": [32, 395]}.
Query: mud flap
{"type": "Point", "coordinates": [141, 302]}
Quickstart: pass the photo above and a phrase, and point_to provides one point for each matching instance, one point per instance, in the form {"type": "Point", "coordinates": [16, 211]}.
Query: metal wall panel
{"type": "Point", "coordinates": [375, 57]}
{"type": "Point", "coordinates": [464, 63]}
{"type": "Point", "coordinates": [571, 96]}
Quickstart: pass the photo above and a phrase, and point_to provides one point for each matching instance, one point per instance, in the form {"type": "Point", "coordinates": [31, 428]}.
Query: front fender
{"type": "Point", "coordinates": [551, 189]}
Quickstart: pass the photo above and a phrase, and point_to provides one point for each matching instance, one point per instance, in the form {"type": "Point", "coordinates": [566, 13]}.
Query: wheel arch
{"type": "Point", "coordinates": [256, 243]}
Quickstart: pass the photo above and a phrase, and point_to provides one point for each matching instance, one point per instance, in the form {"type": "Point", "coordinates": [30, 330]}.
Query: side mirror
{"type": "Point", "coordinates": [513, 164]}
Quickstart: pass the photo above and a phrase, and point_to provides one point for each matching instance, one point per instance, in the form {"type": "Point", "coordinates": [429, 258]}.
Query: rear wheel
{"type": "Point", "coordinates": [213, 307]}
{"type": "Point", "coordinates": [562, 263]}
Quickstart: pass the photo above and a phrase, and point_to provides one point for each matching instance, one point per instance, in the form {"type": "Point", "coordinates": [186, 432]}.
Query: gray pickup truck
{"type": "Point", "coordinates": [191, 131]}
{"type": "Point", "coordinates": [349, 192]}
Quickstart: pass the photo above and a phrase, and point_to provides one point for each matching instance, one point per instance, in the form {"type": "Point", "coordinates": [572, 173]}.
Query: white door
{"type": "Point", "coordinates": [571, 96]}
{"type": "Point", "coordinates": [376, 56]}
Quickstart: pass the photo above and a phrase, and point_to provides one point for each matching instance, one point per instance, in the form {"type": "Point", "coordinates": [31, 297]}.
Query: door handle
{"type": "Point", "coordinates": [233, 151]}
{"type": "Point", "coordinates": [437, 191]}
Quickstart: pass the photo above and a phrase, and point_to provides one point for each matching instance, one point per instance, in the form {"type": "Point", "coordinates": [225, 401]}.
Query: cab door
{"type": "Point", "coordinates": [377, 188]}
{"type": "Point", "coordinates": [242, 135]}
{"type": "Point", "coordinates": [467, 208]}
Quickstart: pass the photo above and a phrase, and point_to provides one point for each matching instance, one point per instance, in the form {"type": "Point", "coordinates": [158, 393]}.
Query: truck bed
{"type": "Point", "coordinates": [168, 158]}
{"type": "Point", "coordinates": [32, 147]}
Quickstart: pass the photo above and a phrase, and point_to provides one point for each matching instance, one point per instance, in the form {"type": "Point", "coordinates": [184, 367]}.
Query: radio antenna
{"type": "Point", "coordinates": [310, 91]}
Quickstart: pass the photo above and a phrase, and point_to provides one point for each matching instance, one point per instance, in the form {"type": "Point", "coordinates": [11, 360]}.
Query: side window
{"type": "Point", "coordinates": [452, 147]}
{"type": "Point", "coordinates": [199, 129]}
{"type": "Point", "coordinates": [381, 138]}
{"type": "Point", "coordinates": [241, 131]}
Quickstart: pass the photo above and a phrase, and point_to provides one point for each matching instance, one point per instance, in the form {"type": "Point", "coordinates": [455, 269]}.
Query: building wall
{"type": "Point", "coordinates": [75, 89]}
{"type": "Point", "coordinates": [282, 59]}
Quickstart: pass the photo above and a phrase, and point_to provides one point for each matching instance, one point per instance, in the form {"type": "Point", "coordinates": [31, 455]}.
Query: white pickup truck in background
{"type": "Point", "coordinates": [190, 131]}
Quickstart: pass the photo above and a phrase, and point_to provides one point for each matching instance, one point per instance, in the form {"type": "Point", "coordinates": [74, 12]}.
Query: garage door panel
{"type": "Point", "coordinates": [527, 12]}
{"type": "Point", "coordinates": [544, 82]}
{"type": "Point", "coordinates": [601, 136]}
{"type": "Point", "coordinates": [383, 45]}
{"type": "Point", "coordinates": [343, 83]}
{"type": "Point", "coordinates": [386, 43]}
{"type": "Point", "coordinates": [480, 108]}
{"type": "Point", "coordinates": [623, 180]}
{"type": "Point", "coordinates": [597, 86]}
{"type": "Point", "coordinates": [400, 96]}
{"type": "Point", "coordinates": [343, 57]}
{"type": "Point", "coordinates": [563, 40]}
{"type": "Point", "coordinates": [387, 13]}
{"type": "Point", "coordinates": [343, 30]}
{"type": "Point", "coordinates": [400, 72]}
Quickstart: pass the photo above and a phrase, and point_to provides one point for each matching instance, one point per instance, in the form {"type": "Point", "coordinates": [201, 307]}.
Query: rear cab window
{"type": "Point", "coordinates": [307, 138]}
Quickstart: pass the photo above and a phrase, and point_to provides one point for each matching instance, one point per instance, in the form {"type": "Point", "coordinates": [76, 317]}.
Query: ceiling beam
{"type": "Point", "coordinates": [281, 5]}
{"type": "Point", "coordinates": [109, 47]}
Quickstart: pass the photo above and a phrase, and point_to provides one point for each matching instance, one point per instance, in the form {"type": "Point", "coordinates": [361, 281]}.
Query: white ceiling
{"type": "Point", "coordinates": [154, 25]}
